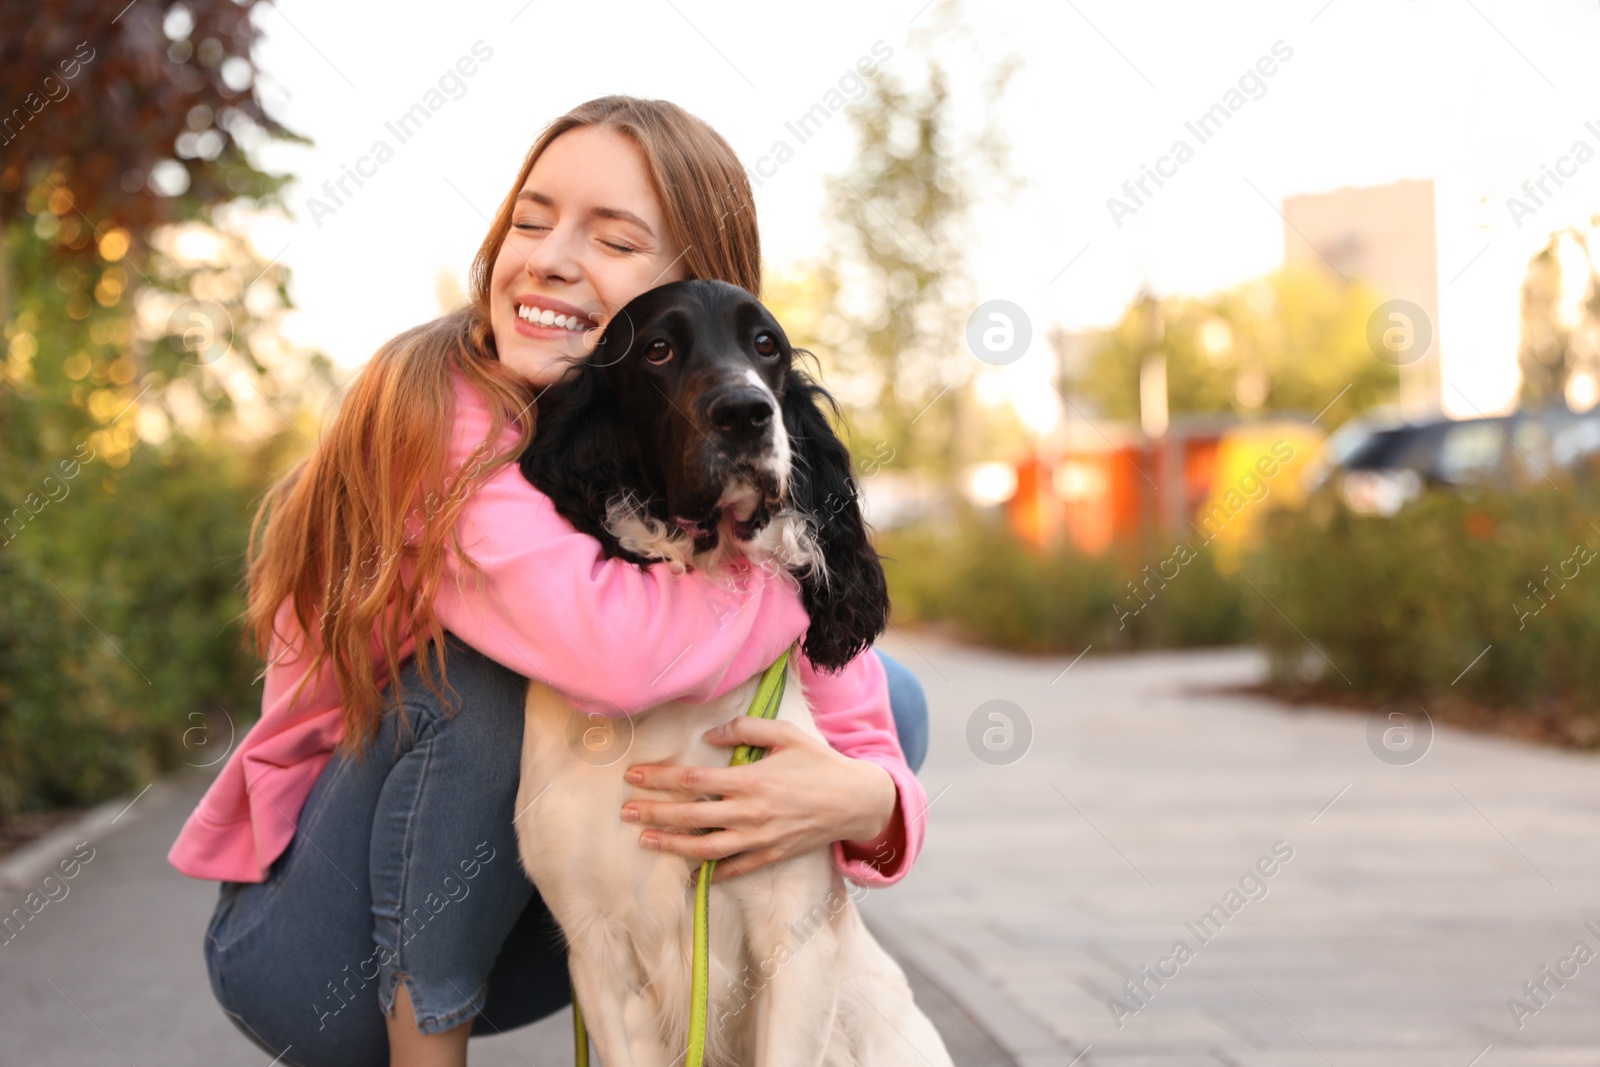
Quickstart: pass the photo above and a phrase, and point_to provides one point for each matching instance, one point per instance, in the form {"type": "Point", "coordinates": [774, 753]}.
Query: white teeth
{"type": "Point", "coordinates": [546, 317]}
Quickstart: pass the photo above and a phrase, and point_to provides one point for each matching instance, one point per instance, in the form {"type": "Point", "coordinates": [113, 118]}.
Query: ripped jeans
{"type": "Point", "coordinates": [404, 866]}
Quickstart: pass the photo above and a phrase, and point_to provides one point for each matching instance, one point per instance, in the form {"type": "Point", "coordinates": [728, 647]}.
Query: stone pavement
{"type": "Point", "coordinates": [111, 972]}
{"type": "Point", "coordinates": [1416, 901]}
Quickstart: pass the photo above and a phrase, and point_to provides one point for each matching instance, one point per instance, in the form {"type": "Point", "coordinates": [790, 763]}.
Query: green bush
{"type": "Point", "coordinates": [1401, 606]}
{"type": "Point", "coordinates": [62, 741]}
{"type": "Point", "coordinates": [120, 654]}
{"type": "Point", "coordinates": [979, 582]}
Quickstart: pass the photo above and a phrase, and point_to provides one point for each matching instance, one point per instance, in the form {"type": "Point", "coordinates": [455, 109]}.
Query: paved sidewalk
{"type": "Point", "coordinates": [1417, 902]}
{"type": "Point", "coordinates": [1418, 898]}
{"type": "Point", "coordinates": [111, 971]}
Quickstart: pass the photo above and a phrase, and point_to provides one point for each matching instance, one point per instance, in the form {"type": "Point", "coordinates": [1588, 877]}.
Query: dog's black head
{"type": "Point", "coordinates": [690, 425]}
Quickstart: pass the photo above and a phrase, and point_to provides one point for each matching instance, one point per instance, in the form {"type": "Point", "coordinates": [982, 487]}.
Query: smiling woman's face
{"type": "Point", "coordinates": [587, 236]}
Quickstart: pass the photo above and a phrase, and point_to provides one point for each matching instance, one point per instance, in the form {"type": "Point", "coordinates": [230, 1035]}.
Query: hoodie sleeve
{"type": "Point", "coordinates": [851, 709]}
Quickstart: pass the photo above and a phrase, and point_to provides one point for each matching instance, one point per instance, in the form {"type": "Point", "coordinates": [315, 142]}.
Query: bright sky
{"type": "Point", "coordinates": [1478, 95]}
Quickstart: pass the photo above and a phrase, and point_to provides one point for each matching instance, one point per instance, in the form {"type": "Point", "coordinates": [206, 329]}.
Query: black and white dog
{"type": "Point", "coordinates": [691, 437]}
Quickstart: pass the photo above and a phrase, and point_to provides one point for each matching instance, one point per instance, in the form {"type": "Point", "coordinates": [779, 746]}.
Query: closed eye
{"type": "Point", "coordinates": [530, 227]}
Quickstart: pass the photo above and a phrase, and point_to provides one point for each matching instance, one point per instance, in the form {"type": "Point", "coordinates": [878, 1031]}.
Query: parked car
{"type": "Point", "coordinates": [1343, 442]}
{"type": "Point", "coordinates": [1391, 464]}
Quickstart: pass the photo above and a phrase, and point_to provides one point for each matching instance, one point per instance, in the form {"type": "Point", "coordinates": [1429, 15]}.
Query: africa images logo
{"type": "Point", "coordinates": [405, 126]}
{"type": "Point", "coordinates": [1203, 128]}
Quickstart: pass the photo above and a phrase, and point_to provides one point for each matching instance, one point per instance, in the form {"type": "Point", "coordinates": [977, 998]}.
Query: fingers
{"type": "Point", "coordinates": [718, 845]}
{"type": "Point", "coordinates": [693, 781]}
{"type": "Point", "coordinates": [750, 730]}
{"type": "Point", "coordinates": [673, 815]}
{"type": "Point", "coordinates": [722, 781]}
{"type": "Point", "coordinates": [740, 852]}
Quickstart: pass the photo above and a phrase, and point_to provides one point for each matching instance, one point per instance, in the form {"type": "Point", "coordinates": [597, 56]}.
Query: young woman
{"type": "Point", "coordinates": [372, 907]}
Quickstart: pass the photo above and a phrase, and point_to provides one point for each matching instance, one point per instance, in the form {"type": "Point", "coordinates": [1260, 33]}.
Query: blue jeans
{"type": "Point", "coordinates": [404, 863]}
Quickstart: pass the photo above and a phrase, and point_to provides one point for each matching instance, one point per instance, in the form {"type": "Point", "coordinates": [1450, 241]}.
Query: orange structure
{"type": "Point", "coordinates": [1102, 484]}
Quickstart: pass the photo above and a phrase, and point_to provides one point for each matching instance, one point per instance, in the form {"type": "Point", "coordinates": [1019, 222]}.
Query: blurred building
{"type": "Point", "coordinates": [1098, 483]}
{"type": "Point", "coordinates": [1384, 235]}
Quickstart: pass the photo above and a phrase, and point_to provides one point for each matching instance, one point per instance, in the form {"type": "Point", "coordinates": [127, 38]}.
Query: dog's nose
{"type": "Point", "coordinates": [740, 413]}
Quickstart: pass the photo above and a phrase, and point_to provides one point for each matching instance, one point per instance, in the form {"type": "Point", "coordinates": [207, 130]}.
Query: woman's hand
{"type": "Point", "coordinates": [801, 796]}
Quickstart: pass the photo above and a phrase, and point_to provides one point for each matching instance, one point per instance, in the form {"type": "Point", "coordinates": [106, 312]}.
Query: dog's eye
{"type": "Point", "coordinates": [766, 344]}
{"type": "Point", "coordinates": [658, 352]}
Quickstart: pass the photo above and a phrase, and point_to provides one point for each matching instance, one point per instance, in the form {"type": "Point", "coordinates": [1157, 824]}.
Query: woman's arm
{"type": "Point", "coordinates": [858, 795]}
{"type": "Point", "coordinates": [613, 637]}
{"type": "Point", "coordinates": [616, 639]}
{"type": "Point", "coordinates": [852, 710]}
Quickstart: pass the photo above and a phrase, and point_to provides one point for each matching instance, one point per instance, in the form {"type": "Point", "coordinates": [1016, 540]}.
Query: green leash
{"type": "Point", "coordinates": [580, 1033]}
{"type": "Point", "coordinates": [769, 694]}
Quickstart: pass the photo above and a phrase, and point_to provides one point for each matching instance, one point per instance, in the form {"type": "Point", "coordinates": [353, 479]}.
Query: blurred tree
{"type": "Point", "coordinates": [1559, 350]}
{"type": "Point", "coordinates": [130, 120]}
{"type": "Point", "coordinates": [136, 321]}
{"type": "Point", "coordinates": [1583, 345]}
{"type": "Point", "coordinates": [129, 139]}
{"type": "Point", "coordinates": [1542, 352]}
{"type": "Point", "coordinates": [889, 306]}
{"type": "Point", "coordinates": [1288, 342]}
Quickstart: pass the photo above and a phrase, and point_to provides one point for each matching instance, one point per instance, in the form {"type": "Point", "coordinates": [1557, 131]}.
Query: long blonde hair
{"type": "Point", "coordinates": [330, 536]}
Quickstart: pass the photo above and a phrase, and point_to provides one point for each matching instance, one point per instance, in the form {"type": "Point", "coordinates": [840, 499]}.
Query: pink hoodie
{"type": "Point", "coordinates": [616, 639]}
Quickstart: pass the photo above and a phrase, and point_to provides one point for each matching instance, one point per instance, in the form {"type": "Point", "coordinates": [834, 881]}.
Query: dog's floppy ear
{"type": "Point", "coordinates": [846, 597]}
{"type": "Point", "coordinates": [582, 455]}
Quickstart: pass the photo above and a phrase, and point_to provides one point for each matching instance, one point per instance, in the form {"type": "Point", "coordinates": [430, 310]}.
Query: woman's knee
{"type": "Point", "coordinates": [296, 1004]}
{"type": "Point", "coordinates": [480, 702]}
{"type": "Point", "coordinates": [909, 704]}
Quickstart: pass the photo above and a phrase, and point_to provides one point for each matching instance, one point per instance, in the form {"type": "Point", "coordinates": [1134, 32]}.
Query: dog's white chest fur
{"type": "Point", "coordinates": [795, 976]}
